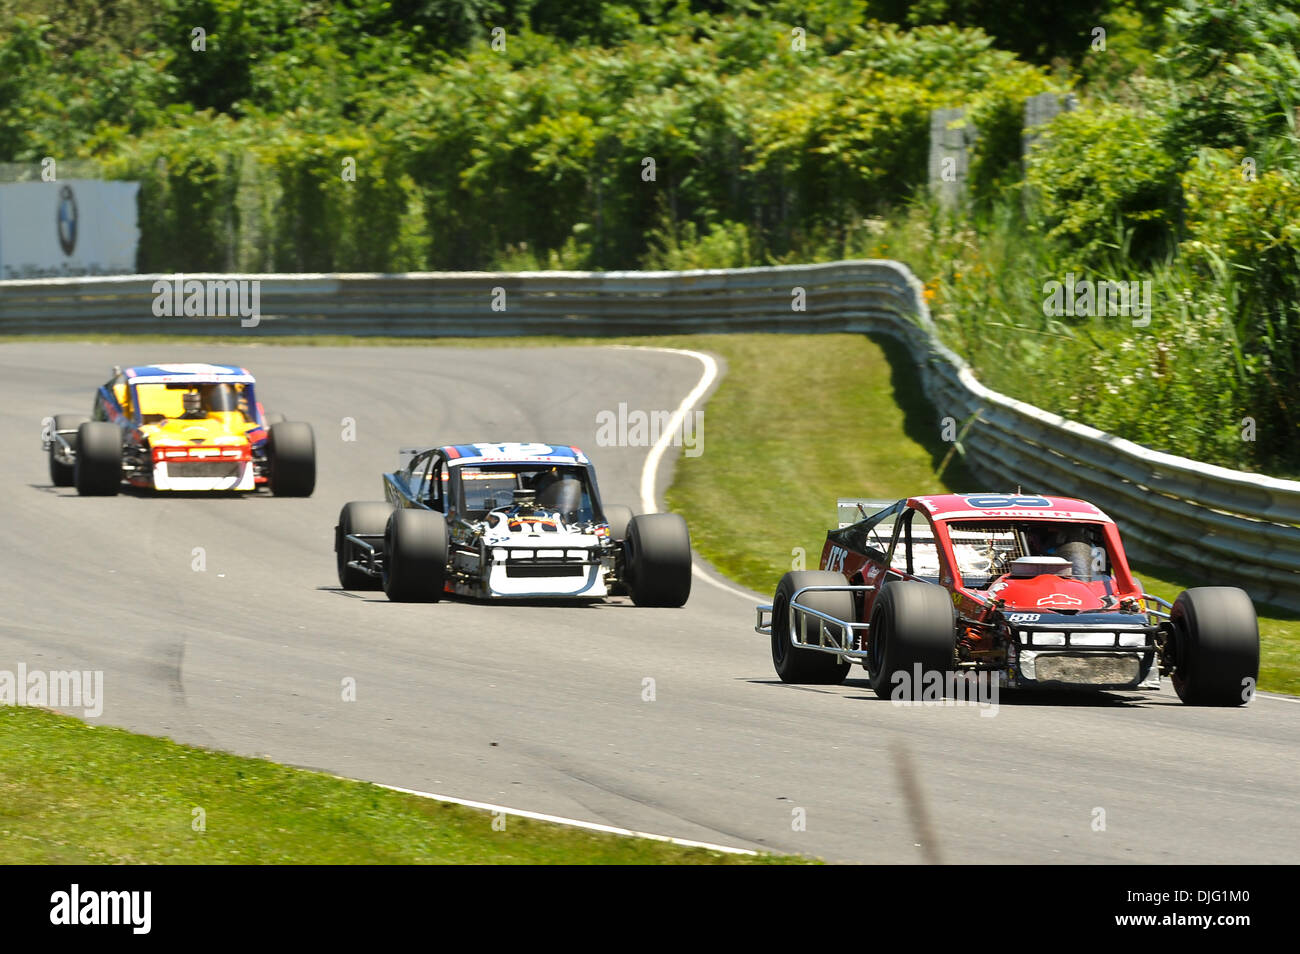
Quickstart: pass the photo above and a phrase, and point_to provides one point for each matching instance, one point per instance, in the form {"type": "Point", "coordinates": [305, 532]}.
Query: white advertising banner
{"type": "Point", "coordinates": [68, 228]}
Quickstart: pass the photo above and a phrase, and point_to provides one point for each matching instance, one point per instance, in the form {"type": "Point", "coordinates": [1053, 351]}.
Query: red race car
{"type": "Point", "coordinates": [1031, 591]}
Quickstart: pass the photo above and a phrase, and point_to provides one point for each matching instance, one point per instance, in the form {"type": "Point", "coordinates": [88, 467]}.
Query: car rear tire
{"type": "Point", "coordinates": [1215, 637]}
{"type": "Point", "coordinates": [291, 449]}
{"type": "Point", "coordinates": [97, 471]}
{"type": "Point", "coordinates": [618, 517]}
{"type": "Point", "coordinates": [913, 626]}
{"type": "Point", "coordinates": [61, 474]}
{"type": "Point", "coordinates": [415, 556]}
{"type": "Point", "coordinates": [657, 558]}
{"type": "Point", "coordinates": [807, 666]}
{"type": "Point", "coordinates": [359, 516]}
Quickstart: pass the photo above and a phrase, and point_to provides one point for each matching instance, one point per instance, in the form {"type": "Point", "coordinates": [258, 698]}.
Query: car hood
{"type": "Point", "coordinates": [210, 430]}
{"type": "Point", "coordinates": [1048, 592]}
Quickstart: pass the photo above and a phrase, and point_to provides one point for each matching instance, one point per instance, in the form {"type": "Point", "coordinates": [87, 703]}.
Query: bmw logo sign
{"type": "Point", "coordinates": [67, 220]}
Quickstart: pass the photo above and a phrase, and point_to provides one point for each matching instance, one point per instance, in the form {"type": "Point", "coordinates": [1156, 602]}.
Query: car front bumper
{"type": "Point", "coordinates": [1107, 655]}
{"type": "Point", "coordinates": [204, 475]}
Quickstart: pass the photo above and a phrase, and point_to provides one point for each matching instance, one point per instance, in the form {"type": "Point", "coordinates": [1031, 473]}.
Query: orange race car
{"type": "Point", "coordinates": [180, 427]}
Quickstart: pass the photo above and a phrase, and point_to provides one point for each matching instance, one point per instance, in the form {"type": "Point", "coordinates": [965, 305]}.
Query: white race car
{"type": "Point", "coordinates": [513, 520]}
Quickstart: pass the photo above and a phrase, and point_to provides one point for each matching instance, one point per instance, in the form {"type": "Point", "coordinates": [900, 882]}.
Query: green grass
{"type": "Point", "coordinates": [73, 793]}
{"type": "Point", "coordinates": [798, 421]}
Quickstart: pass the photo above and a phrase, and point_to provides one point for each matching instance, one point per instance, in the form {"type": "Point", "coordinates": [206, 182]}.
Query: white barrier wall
{"type": "Point", "coordinates": [68, 228]}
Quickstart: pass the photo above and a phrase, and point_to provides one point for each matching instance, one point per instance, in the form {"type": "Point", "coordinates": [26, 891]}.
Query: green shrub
{"type": "Point", "coordinates": [1101, 179]}
{"type": "Point", "coordinates": [1244, 225]}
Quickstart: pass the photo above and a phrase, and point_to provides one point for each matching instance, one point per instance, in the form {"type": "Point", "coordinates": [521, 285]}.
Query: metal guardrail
{"type": "Point", "coordinates": [1218, 524]}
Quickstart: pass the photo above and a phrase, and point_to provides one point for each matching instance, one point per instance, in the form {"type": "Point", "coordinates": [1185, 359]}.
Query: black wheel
{"type": "Point", "coordinates": [618, 517]}
{"type": "Point", "coordinates": [415, 556]}
{"type": "Point", "coordinates": [1215, 643]}
{"type": "Point", "coordinates": [98, 468]}
{"type": "Point", "coordinates": [62, 472]}
{"type": "Point", "coordinates": [657, 560]}
{"type": "Point", "coordinates": [359, 516]}
{"type": "Point", "coordinates": [912, 626]}
{"type": "Point", "coordinates": [291, 449]}
{"type": "Point", "coordinates": [807, 665]}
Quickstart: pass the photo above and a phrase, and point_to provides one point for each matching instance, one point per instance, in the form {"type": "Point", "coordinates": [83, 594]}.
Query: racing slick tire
{"type": "Point", "coordinates": [808, 666]}
{"type": "Point", "coordinates": [291, 450]}
{"type": "Point", "coordinates": [359, 516]}
{"type": "Point", "coordinates": [657, 559]}
{"type": "Point", "coordinates": [61, 474]}
{"type": "Point", "coordinates": [415, 556]}
{"type": "Point", "coordinates": [97, 471]}
{"type": "Point", "coordinates": [1215, 641]}
{"type": "Point", "coordinates": [913, 625]}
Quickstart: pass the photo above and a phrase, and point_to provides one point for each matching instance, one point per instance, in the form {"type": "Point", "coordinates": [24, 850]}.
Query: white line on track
{"type": "Point", "coordinates": [1275, 697]}
{"type": "Point", "coordinates": [571, 822]}
{"type": "Point", "coordinates": [650, 470]}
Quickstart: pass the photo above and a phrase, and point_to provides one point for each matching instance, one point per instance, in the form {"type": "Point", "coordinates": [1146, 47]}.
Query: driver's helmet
{"type": "Point", "coordinates": [192, 401]}
{"type": "Point", "coordinates": [1071, 543]}
{"type": "Point", "coordinates": [558, 492]}
{"type": "Point", "coordinates": [219, 397]}
{"type": "Point", "coordinates": [543, 479]}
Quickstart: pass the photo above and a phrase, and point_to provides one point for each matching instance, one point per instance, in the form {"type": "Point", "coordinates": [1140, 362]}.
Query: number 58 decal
{"type": "Point", "coordinates": [1001, 501]}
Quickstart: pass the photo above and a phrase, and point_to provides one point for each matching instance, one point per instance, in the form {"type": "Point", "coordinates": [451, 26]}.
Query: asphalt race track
{"type": "Point", "coordinates": [541, 707]}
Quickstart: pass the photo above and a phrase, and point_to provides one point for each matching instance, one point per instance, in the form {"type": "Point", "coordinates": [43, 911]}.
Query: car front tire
{"type": "Point", "coordinates": [657, 557]}
{"type": "Point", "coordinates": [1215, 635]}
{"type": "Point", "coordinates": [415, 556]}
{"type": "Point", "coordinates": [913, 634]}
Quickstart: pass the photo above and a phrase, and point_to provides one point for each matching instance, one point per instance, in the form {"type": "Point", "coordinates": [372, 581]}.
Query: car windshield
{"type": "Point", "coordinates": [160, 402]}
{"type": "Point", "coordinates": [985, 550]}
{"type": "Point", "coordinates": [562, 489]}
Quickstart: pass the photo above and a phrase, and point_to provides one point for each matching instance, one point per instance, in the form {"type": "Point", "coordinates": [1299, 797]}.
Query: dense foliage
{"type": "Point", "coordinates": [688, 133]}
{"type": "Point", "coordinates": [585, 134]}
